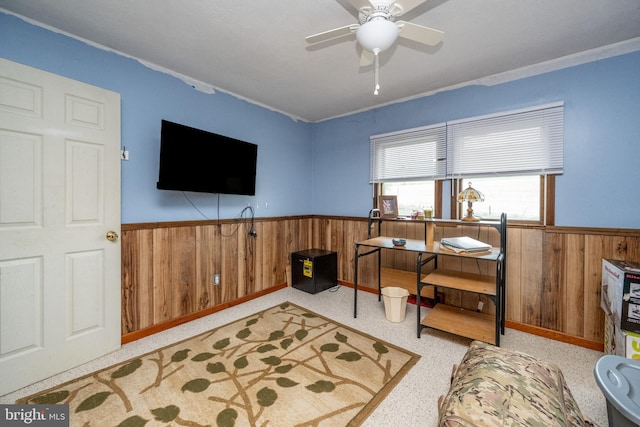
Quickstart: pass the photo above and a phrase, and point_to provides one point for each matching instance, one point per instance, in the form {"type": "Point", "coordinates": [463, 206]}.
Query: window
{"type": "Point", "coordinates": [526, 142]}
{"type": "Point", "coordinates": [409, 164]}
{"type": "Point", "coordinates": [411, 155]}
{"type": "Point", "coordinates": [512, 157]}
{"type": "Point", "coordinates": [518, 196]}
{"type": "Point", "coordinates": [412, 195]}
{"type": "Point", "coordinates": [508, 157]}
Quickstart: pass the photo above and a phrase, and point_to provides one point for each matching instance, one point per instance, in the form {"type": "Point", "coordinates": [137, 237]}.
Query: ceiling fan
{"type": "Point", "coordinates": [378, 29]}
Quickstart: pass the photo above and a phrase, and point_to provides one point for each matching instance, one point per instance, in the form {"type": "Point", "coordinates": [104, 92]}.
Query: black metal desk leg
{"type": "Point", "coordinates": [379, 278]}
{"type": "Point", "coordinates": [418, 291]}
{"type": "Point", "coordinates": [355, 284]}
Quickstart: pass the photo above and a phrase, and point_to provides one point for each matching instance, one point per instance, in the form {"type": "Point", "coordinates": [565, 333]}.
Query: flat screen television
{"type": "Point", "coordinates": [196, 160]}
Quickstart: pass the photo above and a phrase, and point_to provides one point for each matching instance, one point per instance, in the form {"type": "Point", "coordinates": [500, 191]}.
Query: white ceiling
{"type": "Point", "coordinates": [256, 49]}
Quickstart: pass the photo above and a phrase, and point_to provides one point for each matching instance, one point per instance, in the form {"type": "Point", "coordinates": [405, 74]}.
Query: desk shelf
{"type": "Point", "coordinates": [456, 320]}
{"type": "Point", "coordinates": [459, 321]}
{"type": "Point", "coordinates": [468, 282]}
{"type": "Point", "coordinates": [405, 280]}
{"type": "Point", "coordinates": [467, 323]}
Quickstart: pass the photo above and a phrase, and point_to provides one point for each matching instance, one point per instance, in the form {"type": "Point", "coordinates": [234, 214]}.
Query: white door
{"type": "Point", "coordinates": [59, 197]}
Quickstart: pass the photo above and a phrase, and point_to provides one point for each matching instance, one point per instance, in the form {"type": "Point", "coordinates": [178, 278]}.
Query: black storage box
{"type": "Point", "coordinates": [314, 270]}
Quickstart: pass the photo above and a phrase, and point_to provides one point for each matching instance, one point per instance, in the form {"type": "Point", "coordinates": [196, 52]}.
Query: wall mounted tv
{"type": "Point", "coordinates": [196, 160]}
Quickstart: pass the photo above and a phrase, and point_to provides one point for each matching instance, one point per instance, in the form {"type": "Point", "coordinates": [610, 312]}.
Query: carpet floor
{"type": "Point", "coordinates": [414, 400]}
{"type": "Point", "coordinates": [283, 366]}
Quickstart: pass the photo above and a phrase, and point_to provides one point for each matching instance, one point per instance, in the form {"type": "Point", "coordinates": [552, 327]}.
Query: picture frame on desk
{"type": "Point", "coordinates": [388, 206]}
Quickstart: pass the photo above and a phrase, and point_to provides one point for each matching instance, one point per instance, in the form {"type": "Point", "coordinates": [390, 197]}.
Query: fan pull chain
{"type": "Point", "coordinates": [375, 73]}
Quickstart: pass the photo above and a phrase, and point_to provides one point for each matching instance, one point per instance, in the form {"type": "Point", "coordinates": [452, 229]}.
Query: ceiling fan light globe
{"type": "Point", "coordinates": [377, 35]}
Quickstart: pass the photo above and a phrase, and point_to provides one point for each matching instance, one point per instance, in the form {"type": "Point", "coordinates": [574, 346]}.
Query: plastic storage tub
{"type": "Point", "coordinates": [619, 380]}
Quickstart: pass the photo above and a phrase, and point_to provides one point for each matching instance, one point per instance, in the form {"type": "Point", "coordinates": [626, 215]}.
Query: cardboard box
{"type": "Point", "coordinates": [620, 296]}
{"type": "Point", "coordinates": [619, 342]}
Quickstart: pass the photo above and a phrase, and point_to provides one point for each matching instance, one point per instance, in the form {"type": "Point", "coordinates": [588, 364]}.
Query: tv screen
{"type": "Point", "coordinates": [196, 160]}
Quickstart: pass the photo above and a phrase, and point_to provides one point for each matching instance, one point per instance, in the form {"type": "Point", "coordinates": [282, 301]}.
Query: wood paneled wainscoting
{"type": "Point", "coordinates": [553, 273]}
{"type": "Point", "coordinates": [168, 268]}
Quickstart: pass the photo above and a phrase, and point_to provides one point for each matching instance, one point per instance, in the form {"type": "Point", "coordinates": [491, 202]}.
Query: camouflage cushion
{"type": "Point", "coordinates": [497, 387]}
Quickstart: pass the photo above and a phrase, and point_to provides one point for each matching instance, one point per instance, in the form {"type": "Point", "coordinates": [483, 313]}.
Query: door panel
{"type": "Point", "coordinates": [21, 287]}
{"type": "Point", "coordinates": [84, 178]}
{"type": "Point", "coordinates": [20, 179]}
{"type": "Point", "coordinates": [85, 286]}
{"type": "Point", "coordinates": [59, 196]}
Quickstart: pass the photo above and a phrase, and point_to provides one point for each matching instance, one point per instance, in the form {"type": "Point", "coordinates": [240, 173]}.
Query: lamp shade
{"type": "Point", "coordinates": [470, 194]}
{"type": "Point", "coordinates": [377, 35]}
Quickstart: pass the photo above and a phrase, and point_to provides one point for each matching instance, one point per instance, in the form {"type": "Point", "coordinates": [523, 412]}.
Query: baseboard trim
{"type": "Point", "coordinates": [136, 335]}
{"type": "Point", "coordinates": [522, 327]}
{"type": "Point", "coordinates": [555, 335]}
{"type": "Point", "coordinates": [534, 330]}
{"type": "Point", "coordinates": [360, 288]}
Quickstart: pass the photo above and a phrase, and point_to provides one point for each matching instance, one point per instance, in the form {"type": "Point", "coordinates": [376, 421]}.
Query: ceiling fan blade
{"type": "Point", "coordinates": [420, 34]}
{"type": "Point", "coordinates": [359, 4]}
{"type": "Point", "coordinates": [332, 34]}
{"type": "Point", "coordinates": [403, 6]}
{"type": "Point", "coordinates": [366, 58]}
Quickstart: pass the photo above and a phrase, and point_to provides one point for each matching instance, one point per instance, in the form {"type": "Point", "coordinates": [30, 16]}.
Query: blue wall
{"type": "Point", "coordinates": [602, 134]}
{"type": "Point", "coordinates": [601, 145]}
{"type": "Point", "coordinates": [147, 97]}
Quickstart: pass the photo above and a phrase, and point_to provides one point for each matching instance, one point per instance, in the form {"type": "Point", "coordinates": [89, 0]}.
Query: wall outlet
{"type": "Point", "coordinates": [216, 279]}
{"type": "Point", "coordinates": [480, 305]}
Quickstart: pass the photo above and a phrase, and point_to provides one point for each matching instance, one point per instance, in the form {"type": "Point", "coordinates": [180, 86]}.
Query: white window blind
{"type": "Point", "coordinates": [514, 143]}
{"type": "Point", "coordinates": [414, 154]}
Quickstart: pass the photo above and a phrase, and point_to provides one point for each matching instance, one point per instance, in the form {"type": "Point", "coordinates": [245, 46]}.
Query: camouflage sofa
{"type": "Point", "coordinates": [497, 387]}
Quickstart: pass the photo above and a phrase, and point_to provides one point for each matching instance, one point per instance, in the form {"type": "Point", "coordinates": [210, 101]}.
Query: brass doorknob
{"type": "Point", "coordinates": [112, 236]}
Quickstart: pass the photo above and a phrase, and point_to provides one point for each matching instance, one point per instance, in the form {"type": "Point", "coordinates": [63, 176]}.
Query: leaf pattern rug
{"type": "Point", "coordinates": [284, 366]}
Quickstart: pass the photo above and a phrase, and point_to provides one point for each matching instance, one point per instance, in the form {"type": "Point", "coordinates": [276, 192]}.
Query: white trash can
{"type": "Point", "coordinates": [395, 303]}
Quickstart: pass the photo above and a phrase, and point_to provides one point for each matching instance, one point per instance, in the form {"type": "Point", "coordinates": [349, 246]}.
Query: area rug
{"type": "Point", "coordinates": [284, 366]}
